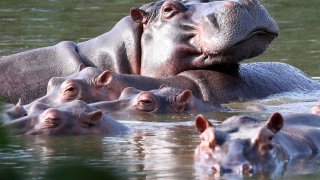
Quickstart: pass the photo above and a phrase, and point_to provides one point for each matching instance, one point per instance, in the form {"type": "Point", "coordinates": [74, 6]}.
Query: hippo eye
{"type": "Point", "coordinates": [270, 138]}
{"type": "Point", "coordinates": [169, 10]}
{"type": "Point", "coordinates": [70, 93]}
{"type": "Point", "coordinates": [87, 124]}
{"type": "Point", "coordinates": [71, 90]}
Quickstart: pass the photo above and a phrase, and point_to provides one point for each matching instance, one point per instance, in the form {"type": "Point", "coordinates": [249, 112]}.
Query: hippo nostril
{"type": "Point", "coordinates": [50, 123]}
{"type": "Point", "coordinates": [50, 118]}
{"type": "Point", "coordinates": [216, 169]}
{"type": "Point", "coordinates": [146, 101]}
{"type": "Point", "coordinates": [247, 168]}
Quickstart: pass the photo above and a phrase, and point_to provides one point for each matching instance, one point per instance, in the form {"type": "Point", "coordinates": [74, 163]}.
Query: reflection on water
{"type": "Point", "coordinates": [158, 146]}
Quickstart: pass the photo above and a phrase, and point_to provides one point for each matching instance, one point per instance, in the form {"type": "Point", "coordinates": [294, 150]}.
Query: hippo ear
{"type": "Point", "coordinates": [104, 79]}
{"type": "Point", "coordinates": [138, 15]}
{"type": "Point", "coordinates": [184, 97]}
{"type": "Point", "coordinates": [81, 66]}
{"type": "Point", "coordinates": [94, 117]}
{"type": "Point", "coordinates": [20, 102]}
{"type": "Point", "coordinates": [202, 123]}
{"type": "Point", "coordinates": [275, 122]}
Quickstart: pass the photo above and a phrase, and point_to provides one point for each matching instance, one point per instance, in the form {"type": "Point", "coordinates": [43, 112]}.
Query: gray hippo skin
{"type": "Point", "coordinates": [160, 39]}
{"type": "Point", "coordinates": [157, 101]}
{"type": "Point", "coordinates": [246, 146]}
{"type": "Point", "coordinates": [71, 118]}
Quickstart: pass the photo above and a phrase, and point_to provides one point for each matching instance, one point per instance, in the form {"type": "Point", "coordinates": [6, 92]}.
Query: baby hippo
{"type": "Point", "coordinates": [158, 101]}
{"type": "Point", "coordinates": [72, 118]}
{"type": "Point", "coordinates": [244, 145]}
{"type": "Point", "coordinates": [89, 85]}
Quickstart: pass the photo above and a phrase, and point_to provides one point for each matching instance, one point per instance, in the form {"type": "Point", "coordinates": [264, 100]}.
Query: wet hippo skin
{"type": "Point", "coordinates": [71, 118]}
{"type": "Point", "coordinates": [244, 145]}
{"type": "Point", "coordinates": [158, 101]}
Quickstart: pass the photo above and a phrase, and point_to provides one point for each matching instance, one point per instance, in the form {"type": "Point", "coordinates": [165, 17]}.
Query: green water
{"type": "Point", "coordinates": [153, 150]}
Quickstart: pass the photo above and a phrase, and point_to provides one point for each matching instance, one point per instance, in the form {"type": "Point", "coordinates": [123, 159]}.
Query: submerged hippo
{"type": "Point", "coordinates": [88, 84]}
{"type": "Point", "coordinates": [162, 38]}
{"type": "Point", "coordinates": [158, 101]}
{"type": "Point", "coordinates": [243, 145]}
{"type": "Point", "coordinates": [72, 118]}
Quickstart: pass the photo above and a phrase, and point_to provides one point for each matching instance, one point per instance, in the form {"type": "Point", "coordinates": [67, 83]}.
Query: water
{"type": "Point", "coordinates": [158, 146]}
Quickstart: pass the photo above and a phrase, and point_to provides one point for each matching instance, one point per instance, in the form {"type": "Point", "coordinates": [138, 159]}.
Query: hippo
{"type": "Point", "coordinates": [88, 84]}
{"type": "Point", "coordinates": [159, 39]}
{"type": "Point", "coordinates": [158, 101]}
{"type": "Point", "coordinates": [246, 146]}
{"type": "Point", "coordinates": [71, 118]}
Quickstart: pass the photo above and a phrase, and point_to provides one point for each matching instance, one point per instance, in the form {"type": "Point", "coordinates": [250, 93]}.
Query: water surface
{"type": "Point", "coordinates": [158, 146]}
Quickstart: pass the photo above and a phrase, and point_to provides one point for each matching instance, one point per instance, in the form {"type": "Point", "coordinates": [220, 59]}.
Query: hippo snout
{"type": "Point", "coordinates": [50, 119]}
{"type": "Point", "coordinates": [228, 25]}
{"type": "Point", "coordinates": [243, 168]}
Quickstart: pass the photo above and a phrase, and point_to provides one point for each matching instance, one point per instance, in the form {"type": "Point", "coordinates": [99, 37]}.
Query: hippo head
{"type": "Point", "coordinates": [162, 100]}
{"type": "Point", "coordinates": [250, 151]}
{"type": "Point", "coordinates": [89, 85]}
{"type": "Point", "coordinates": [73, 118]}
{"type": "Point", "coordinates": [195, 34]}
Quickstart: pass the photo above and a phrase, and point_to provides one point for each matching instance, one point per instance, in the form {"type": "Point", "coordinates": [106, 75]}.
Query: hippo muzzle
{"type": "Point", "coordinates": [226, 28]}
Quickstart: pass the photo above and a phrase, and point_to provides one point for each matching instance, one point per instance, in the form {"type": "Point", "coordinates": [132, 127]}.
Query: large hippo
{"type": "Point", "coordinates": [244, 145]}
{"type": "Point", "coordinates": [160, 39]}
{"type": "Point", "coordinates": [72, 118]}
{"type": "Point", "coordinates": [157, 101]}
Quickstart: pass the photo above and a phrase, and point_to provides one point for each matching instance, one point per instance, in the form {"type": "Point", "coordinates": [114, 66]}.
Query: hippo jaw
{"type": "Point", "coordinates": [179, 36]}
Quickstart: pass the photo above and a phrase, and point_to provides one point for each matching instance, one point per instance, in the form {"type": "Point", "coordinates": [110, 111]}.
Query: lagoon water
{"type": "Point", "coordinates": [159, 147]}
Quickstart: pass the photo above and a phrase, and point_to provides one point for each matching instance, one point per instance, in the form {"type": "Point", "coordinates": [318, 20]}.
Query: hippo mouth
{"type": "Point", "coordinates": [253, 45]}
{"type": "Point", "coordinates": [258, 32]}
